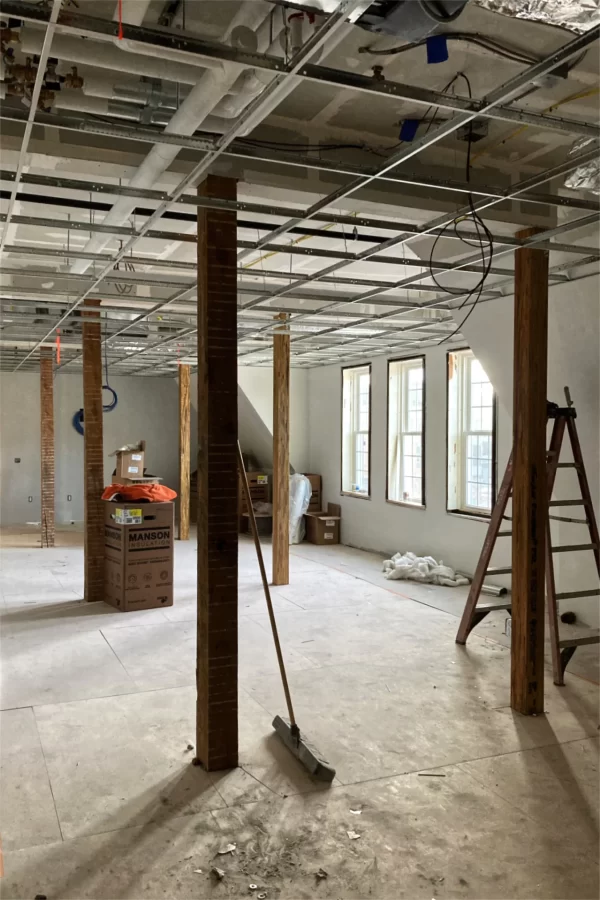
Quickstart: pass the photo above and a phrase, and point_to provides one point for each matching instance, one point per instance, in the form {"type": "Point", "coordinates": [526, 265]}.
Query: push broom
{"type": "Point", "coordinates": [287, 729]}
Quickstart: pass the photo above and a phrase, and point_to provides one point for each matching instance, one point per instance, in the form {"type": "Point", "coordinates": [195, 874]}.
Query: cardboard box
{"type": "Point", "coordinates": [315, 498]}
{"type": "Point", "coordinates": [130, 462]}
{"type": "Point", "coordinates": [138, 555]}
{"type": "Point", "coordinates": [323, 527]}
{"type": "Point", "coordinates": [258, 483]}
{"type": "Point", "coordinates": [264, 523]}
{"type": "Point", "coordinates": [145, 479]}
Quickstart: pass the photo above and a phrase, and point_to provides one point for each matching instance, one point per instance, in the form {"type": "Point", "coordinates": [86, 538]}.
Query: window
{"type": "Point", "coordinates": [471, 435]}
{"type": "Point", "coordinates": [356, 430]}
{"type": "Point", "coordinates": [406, 444]}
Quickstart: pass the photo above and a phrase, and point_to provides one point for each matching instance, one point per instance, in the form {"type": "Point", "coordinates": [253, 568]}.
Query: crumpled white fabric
{"type": "Point", "coordinates": [410, 567]}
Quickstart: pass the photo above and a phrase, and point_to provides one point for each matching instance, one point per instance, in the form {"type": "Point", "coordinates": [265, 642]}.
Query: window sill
{"type": "Point", "coordinates": [355, 494]}
{"type": "Point", "coordinates": [472, 517]}
{"type": "Point", "coordinates": [407, 505]}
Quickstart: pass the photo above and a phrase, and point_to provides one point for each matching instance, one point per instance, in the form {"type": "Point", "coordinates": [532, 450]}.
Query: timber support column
{"type": "Point", "coordinates": [530, 497]}
{"type": "Point", "coordinates": [47, 445]}
{"type": "Point", "coordinates": [93, 454]}
{"type": "Point", "coordinates": [217, 643]}
{"type": "Point", "coordinates": [281, 456]}
{"type": "Point", "coordinates": [184, 453]}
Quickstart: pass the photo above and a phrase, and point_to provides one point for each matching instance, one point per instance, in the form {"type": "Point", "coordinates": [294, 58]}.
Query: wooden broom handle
{"type": "Point", "coordinates": [263, 575]}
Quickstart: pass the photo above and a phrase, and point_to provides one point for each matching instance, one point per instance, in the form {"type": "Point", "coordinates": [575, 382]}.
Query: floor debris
{"type": "Point", "coordinates": [190, 747]}
{"type": "Point", "coordinates": [197, 871]}
{"type": "Point", "coordinates": [356, 812]}
{"type": "Point", "coordinates": [353, 835]}
{"type": "Point", "coordinates": [321, 874]}
{"type": "Point", "coordinates": [218, 873]}
{"type": "Point", "coordinates": [431, 775]}
{"type": "Point", "coordinates": [252, 887]}
{"type": "Point", "coordinates": [230, 848]}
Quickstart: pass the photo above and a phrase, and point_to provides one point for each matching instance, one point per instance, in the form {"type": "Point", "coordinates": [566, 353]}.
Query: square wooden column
{"type": "Point", "coordinates": [93, 455]}
{"type": "Point", "coordinates": [217, 645]}
{"type": "Point", "coordinates": [530, 497]}
{"type": "Point", "coordinates": [281, 457]}
{"type": "Point", "coordinates": [47, 445]}
{"type": "Point", "coordinates": [184, 453]}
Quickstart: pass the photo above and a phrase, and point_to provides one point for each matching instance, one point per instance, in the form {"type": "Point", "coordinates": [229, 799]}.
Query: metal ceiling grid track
{"type": "Point", "coordinates": [131, 352]}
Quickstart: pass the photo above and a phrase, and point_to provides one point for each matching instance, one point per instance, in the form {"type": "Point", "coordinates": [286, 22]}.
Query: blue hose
{"type": "Point", "coordinates": [108, 407]}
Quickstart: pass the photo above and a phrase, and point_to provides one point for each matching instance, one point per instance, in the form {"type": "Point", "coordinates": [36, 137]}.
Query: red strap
{"type": "Point", "coordinates": [120, 20]}
{"type": "Point", "coordinates": [58, 346]}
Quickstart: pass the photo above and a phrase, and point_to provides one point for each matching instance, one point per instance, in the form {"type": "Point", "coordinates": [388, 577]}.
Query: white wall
{"type": "Point", "coordinates": [147, 409]}
{"type": "Point", "coordinates": [375, 524]}
{"type": "Point", "coordinates": [573, 360]}
{"type": "Point", "coordinates": [574, 348]}
{"type": "Point", "coordinates": [257, 384]}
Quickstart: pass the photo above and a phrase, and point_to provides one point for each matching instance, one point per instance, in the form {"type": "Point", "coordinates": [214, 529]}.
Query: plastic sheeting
{"type": "Point", "coordinates": [300, 491]}
{"type": "Point", "coordinates": [587, 177]}
{"type": "Point", "coordinates": [576, 15]}
{"type": "Point", "coordinates": [425, 569]}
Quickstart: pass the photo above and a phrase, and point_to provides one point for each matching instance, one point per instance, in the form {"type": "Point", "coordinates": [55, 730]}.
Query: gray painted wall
{"type": "Point", "coordinates": [147, 409]}
{"type": "Point", "coordinates": [574, 350]}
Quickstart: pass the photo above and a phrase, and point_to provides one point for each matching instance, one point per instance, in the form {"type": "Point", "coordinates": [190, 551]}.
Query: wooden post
{"type": "Point", "coordinates": [47, 445]}
{"type": "Point", "coordinates": [184, 453]}
{"type": "Point", "coordinates": [281, 457]}
{"type": "Point", "coordinates": [93, 455]}
{"type": "Point", "coordinates": [530, 498]}
{"type": "Point", "coordinates": [217, 642]}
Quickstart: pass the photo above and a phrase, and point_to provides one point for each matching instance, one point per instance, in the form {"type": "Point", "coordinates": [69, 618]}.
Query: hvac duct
{"type": "Point", "coordinates": [104, 55]}
{"type": "Point", "coordinates": [213, 85]}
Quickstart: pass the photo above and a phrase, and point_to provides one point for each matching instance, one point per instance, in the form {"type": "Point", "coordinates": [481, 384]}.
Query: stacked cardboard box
{"type": "Point", "coordinates": [138, 555]}
{"type": "Point", "coordinates": [315, 497]}
{"type": "Point", "coordinates": [130, 467]}
{"type": "Point", "coordinates": [258, 483]}
{"type": "Point", "coordinates": [323, 527]}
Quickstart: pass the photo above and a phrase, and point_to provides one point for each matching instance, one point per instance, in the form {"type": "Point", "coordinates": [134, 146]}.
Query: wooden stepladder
{"type": "Point", "coordinates": [562, 650]}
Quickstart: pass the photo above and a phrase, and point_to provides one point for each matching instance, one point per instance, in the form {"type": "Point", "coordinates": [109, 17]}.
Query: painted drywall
{"type": "Point", "coordinates": [573, 360]}
{"type": "Point", "coordinates": [375, 524]}
{"type": "Point", "coordinates": [573, 352]}
{"type": "Point", "coordinates": [257, 385]}
{"type": "Point", "coordinates": [147, 409]}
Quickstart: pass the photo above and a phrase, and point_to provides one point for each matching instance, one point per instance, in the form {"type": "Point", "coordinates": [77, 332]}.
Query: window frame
{"type": "Point", "coordinates": [422, 505]}
{"type": "Point", "coordinates": [358, 494]}
{"type": "Point", "coordinates": [471, 512]}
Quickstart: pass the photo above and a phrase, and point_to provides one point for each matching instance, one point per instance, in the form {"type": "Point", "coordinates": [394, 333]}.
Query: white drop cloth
{"type": "Point", "coordinates": [410, 567]}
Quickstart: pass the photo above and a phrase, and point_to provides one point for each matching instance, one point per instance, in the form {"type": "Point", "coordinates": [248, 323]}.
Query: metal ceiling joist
{"type": "Point", "coordinates": [34, 100]}
{"type": "Point", "coordinates": [249, 119]}
{"type": "Point", "coordinates": [73, 22]}
{"type": "Point", "coordinates": [354, 221]}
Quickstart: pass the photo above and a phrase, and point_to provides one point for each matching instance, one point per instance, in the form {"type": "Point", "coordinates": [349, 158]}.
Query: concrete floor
{"type": "Point", "coordinates": [99, 799]}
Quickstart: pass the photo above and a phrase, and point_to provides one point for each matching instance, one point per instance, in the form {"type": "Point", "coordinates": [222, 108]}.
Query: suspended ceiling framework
{"type": "Point", "coordinates": [337, 218]}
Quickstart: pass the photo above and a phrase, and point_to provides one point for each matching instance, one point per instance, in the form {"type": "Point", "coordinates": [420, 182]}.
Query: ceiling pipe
{"type": "Point", "coordinates": [103, 55]}
{"type": "Point", "coordinates": [131, 12]}
{"type": "Point", "coordinates": [212, 86]}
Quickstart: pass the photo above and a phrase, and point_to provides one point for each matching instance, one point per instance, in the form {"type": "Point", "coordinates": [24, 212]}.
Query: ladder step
{"type": "Point", "coordinates": [581, 641]}
{"type": "Point", "coordinates": [572, 465]}
{"type": "Point", "coordinates": [499, 570]}
{"type": "Point", "coordinates": [567, 519]}
{"type": "Point", "coordinates": [568, 503]}
{"type": "Point", "coordinates": [490, 607]}
{"type": "Point", "coordinates": [504, 534]}
{"type": "Point", "coordinates": [568, 548]}
{"type": "Point", "coordinates": [574, 595]}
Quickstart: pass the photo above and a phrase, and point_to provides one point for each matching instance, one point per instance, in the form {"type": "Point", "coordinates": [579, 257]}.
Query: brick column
{"type": "Point", "coordinates": [217, 654]}
{"type": "Point", "coordinates": [530, 483]}
{"type": "Point", "coordinates": [47, 445]}
{"type": "Point", "coordinates": [93, 456]}
{"type": "Point", "coordinates": [184, 453]}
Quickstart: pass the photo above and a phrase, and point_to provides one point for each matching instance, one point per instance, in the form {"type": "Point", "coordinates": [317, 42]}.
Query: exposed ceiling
{"type": "Point", "coordinates": [104, 141]}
